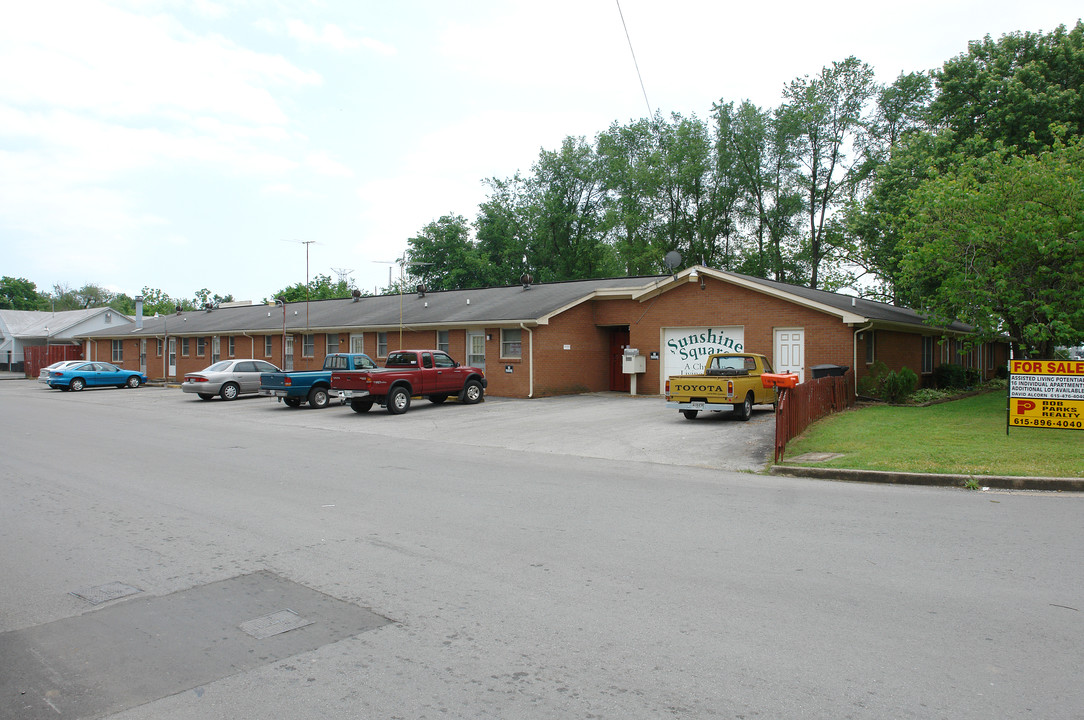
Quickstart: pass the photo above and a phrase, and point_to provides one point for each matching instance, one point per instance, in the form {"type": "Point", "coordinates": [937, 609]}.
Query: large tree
{"type": "Point", "coordinates": [442, 256]}
{"type": "Point", "coordinates": [998, 242]}
{"type": "Point", "coordinates": [1014, 90]}
{"type": "Point", "coordinates": [827, 114]}
{"type": "Point", "coordinates": [21, 294]}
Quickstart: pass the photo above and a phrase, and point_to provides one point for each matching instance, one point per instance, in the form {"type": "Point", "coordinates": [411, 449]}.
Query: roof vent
{"type": "Point", "coordinates": [356, 294]}
{"type": "Point", "coordinates": [421, 290]}
{"type": "Point", "coordinates": [178, 309]}
{"type": "Point", "coordinates": [526, 279]}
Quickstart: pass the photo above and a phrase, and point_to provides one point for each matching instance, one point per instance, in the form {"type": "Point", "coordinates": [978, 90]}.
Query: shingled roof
{"type": "Point", "coordinates": [496, 306]}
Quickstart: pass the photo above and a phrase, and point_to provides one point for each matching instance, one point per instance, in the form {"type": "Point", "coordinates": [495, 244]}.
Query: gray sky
{"type": "Point", "coordinates": [183, 144]}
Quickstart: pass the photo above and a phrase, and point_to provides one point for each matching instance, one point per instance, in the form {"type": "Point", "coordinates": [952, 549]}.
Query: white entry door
{"type": "Point", "coordinates": [172, 357]}
{"type": "Point", "coordinates": [790, 351]}
{"type": "Point", "coordinates": [476, 349]}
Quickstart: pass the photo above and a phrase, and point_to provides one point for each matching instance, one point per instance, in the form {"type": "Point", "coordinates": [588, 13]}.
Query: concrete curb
{"type": "Point", "coordinates": [1006, 482]}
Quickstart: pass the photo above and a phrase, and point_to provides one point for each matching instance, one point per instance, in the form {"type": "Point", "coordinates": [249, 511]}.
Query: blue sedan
{"type": "Point", "coordinates": [94, 374]}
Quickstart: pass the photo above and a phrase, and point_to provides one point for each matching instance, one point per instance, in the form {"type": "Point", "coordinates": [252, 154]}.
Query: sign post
{"type": "Point", "coordinates": [1046, 394]}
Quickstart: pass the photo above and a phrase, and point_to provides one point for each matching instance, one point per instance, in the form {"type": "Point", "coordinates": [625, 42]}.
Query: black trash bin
{"type": "Point", "coordinates": [828, 370]}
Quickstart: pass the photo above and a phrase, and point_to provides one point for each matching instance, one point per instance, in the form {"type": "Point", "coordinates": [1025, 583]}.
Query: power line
{"type": "Point", "coordinates": [650, 112]}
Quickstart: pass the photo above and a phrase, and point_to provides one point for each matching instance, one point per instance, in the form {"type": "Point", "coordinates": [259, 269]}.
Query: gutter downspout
{"type": "Point", "coordinates": [854, 350]}
{"type": "Point", "coordinates": [530, 359]}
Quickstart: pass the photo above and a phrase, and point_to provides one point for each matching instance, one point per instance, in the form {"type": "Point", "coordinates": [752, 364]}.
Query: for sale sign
{"type": "Point", "coordinates": [1046, 394]}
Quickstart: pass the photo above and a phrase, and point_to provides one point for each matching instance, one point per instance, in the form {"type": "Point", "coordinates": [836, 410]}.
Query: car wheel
{"type": "Point", "coordinates": [745, 410]}
{"type": "Point", "coordinates": [690, 414]}
{"type": "Point", "coordinates": [437, 399]}
{"type": "Point", "coordinates": [361, 406]}
{"type": "Point", "coordinates": [472, 392]}
{"type": "Point", "coordinates": [205, 396]}
{"type": "Point", "coordinates": [292, 402]}
{"type": "Point", "coordinates": [398, 400]}
{"type": "Point", "coordinates": [133, 381]}
{"type": "Point", "coordinates": [230, 391]}
{"type": "Point", "coordinates": [77, 384]}
{"type": "Point", "coordinates": [318, 397]}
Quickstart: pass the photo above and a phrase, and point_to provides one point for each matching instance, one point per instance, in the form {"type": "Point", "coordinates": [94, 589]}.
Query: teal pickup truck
{"type": "Point", "coordinates": [313, 386]}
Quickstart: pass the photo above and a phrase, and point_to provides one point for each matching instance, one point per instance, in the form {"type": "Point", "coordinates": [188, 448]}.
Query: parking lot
{"type": "Point", "coordinates": [571, 557]}
{"type": "Point", "coordinates": [605, 425]}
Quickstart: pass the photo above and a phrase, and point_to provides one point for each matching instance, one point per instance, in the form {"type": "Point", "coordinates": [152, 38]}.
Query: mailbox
{"type": "Point", "coordinates": [633, 362]}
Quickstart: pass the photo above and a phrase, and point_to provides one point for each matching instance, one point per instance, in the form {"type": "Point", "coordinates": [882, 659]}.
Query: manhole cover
{"type": "Point", "coordinates": [274, 624]}
{"type": "Point", "coordinates": [105, 593]}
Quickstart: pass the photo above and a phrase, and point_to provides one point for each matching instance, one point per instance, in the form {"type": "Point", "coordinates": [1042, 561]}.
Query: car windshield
{"type": "Point", "coordinates": [219, 366]}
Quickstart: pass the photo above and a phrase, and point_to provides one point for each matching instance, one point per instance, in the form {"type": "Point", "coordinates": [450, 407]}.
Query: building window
{"type": "Point", "coordinates": [216, 349]}
{"type": "Point", "coordinates": [511, 343]}
{"type": "Point", "coordinates": [159, 347]}
{"type": "Point", "coordinates": [927, 353]}
{"type": "Point", "coordinates": [232, 345]}
{"type": "Point", "coordinates": [186, 346]}
{"type": "Point", "coordinates": [990, 356]}
{"type": "Point", "coordinates": [118, 351]}
{"type": "Point", "coordinates": [442, 341]}
{"type": "Point", "coordinates": [869, 347]}
{"type": "Point", "coordinates": [201, 346]}
{"type": "Point", "coordinates": [357, 342]}
{"type": "Point", "coordinates": [381, 344]}
{"type": "Point", "coordinates": [267, 346]}
{"type": "Point", "coordinates": [332, 343]}
{"type": "Point", "coordinates": [308, 345]}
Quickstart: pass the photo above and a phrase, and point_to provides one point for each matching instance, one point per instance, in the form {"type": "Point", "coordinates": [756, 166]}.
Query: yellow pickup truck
{"type": "Point", "coordinates": [731, 381]}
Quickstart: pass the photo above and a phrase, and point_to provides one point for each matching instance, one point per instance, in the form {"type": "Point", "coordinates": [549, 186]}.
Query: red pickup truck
{"type": "Point", "coordinates": [407, 374]}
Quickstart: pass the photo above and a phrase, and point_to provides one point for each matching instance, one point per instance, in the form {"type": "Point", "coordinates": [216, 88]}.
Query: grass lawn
{"type": "Point", "coordinates": [963, 436]}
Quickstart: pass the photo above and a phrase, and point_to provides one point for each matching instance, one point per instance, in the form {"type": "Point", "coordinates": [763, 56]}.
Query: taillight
{"type": "Point", "coordinates": [667, 389]}
{"type": "Point", "coordinates": [194, 378]}
{"type": "Point", "coordinates": [288, 382]}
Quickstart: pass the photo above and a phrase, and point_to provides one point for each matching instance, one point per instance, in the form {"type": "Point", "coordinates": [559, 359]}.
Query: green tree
{"type": "Point", "coordinates": [157, 302]}
{"type": "Point", "coordinates": [827, 115]}
{"type": "Point", "coordinates": [1016, 90]}
{"type": "Point", "coordinates": [21, 294]}
{"type": "Point", "coordinates": [503, 230]}
{"type": "Point", "coordinates": [442, 256]}
{"type": "Point", "coordinates": [999, 243]}
{"type": "Point", "coordinates": [321, 287]}
{"type": "Point", "coordinates": [568, 239]}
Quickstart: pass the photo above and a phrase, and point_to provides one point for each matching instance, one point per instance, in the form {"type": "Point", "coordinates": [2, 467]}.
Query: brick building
{"type": "Point", "coordinates": [559, 338]}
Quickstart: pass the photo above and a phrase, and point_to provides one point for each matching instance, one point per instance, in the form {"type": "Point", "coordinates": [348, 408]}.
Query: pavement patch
{"type": "Point", "coordinates": [134, 652]}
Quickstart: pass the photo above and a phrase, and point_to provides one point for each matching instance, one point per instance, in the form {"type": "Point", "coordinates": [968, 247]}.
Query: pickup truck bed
{"type": "Point", "coordinates": [313, 386]}
{"type": "Point", "coordinates": [731, 381]}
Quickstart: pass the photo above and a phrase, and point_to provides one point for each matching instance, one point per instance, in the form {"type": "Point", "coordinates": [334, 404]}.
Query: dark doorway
{"type": "Point", "coordinates": [619, 340]}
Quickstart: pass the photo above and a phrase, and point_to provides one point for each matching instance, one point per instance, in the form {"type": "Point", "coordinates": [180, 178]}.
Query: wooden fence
{"type": "Point", "coordinates": [35, 357]}
{"type": "Point", "coordinates": [799, 406]}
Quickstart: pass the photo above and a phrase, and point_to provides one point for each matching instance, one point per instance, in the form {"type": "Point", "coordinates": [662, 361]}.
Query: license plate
{"type": "Point", "coordinates": [280, 393]}
{"type": "Point", "coordinates": [696, 406]}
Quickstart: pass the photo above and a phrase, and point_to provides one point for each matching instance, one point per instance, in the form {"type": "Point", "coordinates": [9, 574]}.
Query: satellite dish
{"type": "Point", "coordinates": [672, 259]}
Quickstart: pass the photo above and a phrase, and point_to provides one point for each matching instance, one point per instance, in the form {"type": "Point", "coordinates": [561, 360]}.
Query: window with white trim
{"type": "Point", "coordinates": [267, 347]}
{"type": "Point", "coordinates": [118, 351]}
{"type": "Point", "coordinates": [927, 353]}
{"type": "Point", "coordinates": [381, 344]}
{"type": "Point", "coordinates": [442, 340]}
{"type": "Point", "coordinates": [511, 343]}
{"type": "Point", "coordinates": [332, 343]}
{"type": "Point", "coordinates": [308, 345]}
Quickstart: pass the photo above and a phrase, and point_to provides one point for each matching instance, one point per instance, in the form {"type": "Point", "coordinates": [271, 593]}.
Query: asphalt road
{"type": "Point", "coordinates": [582, 557]}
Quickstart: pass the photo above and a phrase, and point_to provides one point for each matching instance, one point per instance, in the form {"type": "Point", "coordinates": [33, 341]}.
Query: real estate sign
{"type": "Point", "coordinates": [1046, 394]}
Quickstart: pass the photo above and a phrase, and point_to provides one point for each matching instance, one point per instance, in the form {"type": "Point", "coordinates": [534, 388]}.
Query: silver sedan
{"type": "Point", "coordinates": [228, 378]}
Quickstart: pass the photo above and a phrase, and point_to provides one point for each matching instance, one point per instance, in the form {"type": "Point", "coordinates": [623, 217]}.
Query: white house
{"type": "Point", "coordinates": [20, 329]}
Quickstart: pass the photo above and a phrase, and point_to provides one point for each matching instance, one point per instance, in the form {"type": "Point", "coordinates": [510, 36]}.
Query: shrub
{"type": "Point", "coordinates": [897, 387]}
{"type": "Point", "coordinates": [1001, 372]}
{"type": "Point", "coordinates": [971, 377]}
{"type": "Point", "coordinates": [870, 383]}
{"type": "Point", "coordinates": [949, 375]}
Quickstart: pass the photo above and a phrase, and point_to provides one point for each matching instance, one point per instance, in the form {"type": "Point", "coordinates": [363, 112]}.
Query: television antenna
{"type": "Point", "coordinates": [306, 243]}
{"type": "Point", "coordinates": [402, 263]}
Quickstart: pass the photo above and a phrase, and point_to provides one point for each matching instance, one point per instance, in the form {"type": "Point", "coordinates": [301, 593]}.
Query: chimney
{"type": "Point", "coordinates": [139, 312]}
